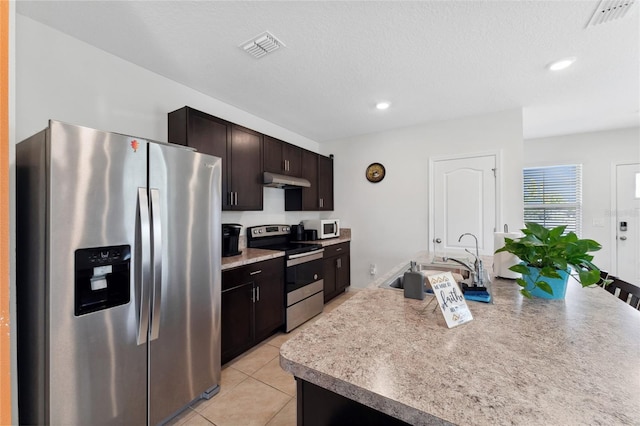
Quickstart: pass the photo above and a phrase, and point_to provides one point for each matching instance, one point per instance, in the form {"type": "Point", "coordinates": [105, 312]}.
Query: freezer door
{"type": "Point", "coordinates": [185, 321]}
{"type": "Point", "coordinates": [96, 371]}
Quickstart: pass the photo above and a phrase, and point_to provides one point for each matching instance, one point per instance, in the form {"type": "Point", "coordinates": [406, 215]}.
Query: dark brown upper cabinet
{"type": "Point", "coordinates": [318, 170]}
{"type": "Point", "coordinates": [281, 157]}
{"type": "Point", "coordinates": [240, 149]}
{"type": "Point", "coordinates": [325, 183]}
{"type": "Point", "coordinates": [245, 169]}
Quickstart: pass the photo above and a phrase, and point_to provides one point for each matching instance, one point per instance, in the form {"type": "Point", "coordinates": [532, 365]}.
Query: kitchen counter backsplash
{"type": "Point", "coordinates": [345, 235]}
{"type": "Point", "coordinates": [251, 255]}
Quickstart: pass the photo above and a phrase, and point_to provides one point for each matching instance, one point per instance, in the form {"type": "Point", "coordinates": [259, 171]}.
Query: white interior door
{"type": "Point", "coordinates": [464, 200]}
{"type": "Point", "coordinates": [628, 222]}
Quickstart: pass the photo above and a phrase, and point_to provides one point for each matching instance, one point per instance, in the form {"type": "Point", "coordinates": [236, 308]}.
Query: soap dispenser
{"type": "Point", "coordinates": [413, 283]}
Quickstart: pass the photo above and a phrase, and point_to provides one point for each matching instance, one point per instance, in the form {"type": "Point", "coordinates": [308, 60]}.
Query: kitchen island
{"type": "Point", "coordinates": [519, 361]}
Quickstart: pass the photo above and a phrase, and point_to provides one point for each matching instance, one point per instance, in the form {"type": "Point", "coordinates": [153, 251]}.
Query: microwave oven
{"type": "Point", "coordinates": [326, 228]}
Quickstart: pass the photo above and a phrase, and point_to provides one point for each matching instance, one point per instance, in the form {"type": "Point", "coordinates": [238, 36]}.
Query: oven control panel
{"type": "Point", "coordinates": [268, 231]}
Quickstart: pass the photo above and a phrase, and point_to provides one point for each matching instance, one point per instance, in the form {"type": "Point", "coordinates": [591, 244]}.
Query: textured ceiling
{"type": "Point", "coordinates": [433, 60]}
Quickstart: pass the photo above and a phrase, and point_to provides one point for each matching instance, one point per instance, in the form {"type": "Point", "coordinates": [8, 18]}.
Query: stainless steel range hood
{"type": "Point", "coordinates": [275, 180]}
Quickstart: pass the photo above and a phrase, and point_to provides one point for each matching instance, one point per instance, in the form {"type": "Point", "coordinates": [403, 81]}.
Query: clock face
{"type": "Point", "coordinates": [375, 172]}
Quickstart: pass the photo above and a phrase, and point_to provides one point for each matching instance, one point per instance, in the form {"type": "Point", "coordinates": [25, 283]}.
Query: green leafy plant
{"type": "Point", "coordinates": [549, 251]}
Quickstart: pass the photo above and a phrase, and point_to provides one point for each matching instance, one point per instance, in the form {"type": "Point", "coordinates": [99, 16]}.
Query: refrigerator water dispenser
{"type": "Point", "coordinates": [101, 278]}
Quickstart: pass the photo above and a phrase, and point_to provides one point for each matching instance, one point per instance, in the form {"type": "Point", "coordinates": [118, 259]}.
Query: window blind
{"type": "Point", "coordinates": [553, 196]}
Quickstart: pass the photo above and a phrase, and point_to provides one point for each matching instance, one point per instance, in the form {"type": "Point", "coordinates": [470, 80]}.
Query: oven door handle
{"type": "Point", "coordinates": [297, 259]}
{"type": "Point", "coordinates": [308, 253]}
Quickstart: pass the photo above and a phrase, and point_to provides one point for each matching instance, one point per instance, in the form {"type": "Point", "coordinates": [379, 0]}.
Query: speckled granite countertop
{"type": "Point", "coordinates": [520, 361]}
{"type": "Point", "coordinates": [248, 256]}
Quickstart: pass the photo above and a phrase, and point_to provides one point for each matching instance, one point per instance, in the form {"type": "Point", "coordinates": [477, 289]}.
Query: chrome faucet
{"type": "Point", "coordinates": [470, 268]}
{"type": "Point", "coordinates": [478, 270]}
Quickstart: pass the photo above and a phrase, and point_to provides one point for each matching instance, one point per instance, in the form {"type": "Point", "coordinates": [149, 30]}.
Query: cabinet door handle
{"type": "Point", "coordinates": [339, 263]}
{"type": "Point", "coordinates": [321, 202]}
{"type": "Point", "coordinates": [253, 294]}
{"type": "Point", "coordinates": [258, 298]}
{"type": "Point", "coordinates": [256, 272]}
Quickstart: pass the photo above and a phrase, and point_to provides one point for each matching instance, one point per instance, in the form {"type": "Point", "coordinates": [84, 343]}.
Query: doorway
{"type": "Point", "coordinates": [627, 222]}
{"type": "Point", "coordinates": [463, 198]}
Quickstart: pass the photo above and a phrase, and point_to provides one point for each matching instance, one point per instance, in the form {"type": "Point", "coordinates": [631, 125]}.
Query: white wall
{"type": "Point", "coordinates": [389, 220]}
{"type": "Point", "coordinates": [62, 78]}
{"type": "Point", "coordinates": [598, 152]}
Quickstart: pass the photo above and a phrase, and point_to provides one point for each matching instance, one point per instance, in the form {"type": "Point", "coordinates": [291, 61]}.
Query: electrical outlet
{"type": "Point", "coordinates": [373, 269]}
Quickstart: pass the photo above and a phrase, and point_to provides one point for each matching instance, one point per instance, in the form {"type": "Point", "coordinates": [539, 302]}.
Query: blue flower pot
{"type": "Point", "coordinates": [558, 285]}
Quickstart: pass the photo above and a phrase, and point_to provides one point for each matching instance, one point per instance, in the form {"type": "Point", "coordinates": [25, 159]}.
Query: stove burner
{"type": "Point", "coordinates": [293, 248]}
{"type": "Point", "coordinates": [277, 237]}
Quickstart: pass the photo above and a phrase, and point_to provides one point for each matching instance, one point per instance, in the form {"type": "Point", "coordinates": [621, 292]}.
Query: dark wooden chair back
{"type": "Point", "coordinates": [629, 293]}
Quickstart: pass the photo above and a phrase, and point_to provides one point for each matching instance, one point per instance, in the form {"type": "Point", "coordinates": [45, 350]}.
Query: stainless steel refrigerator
{"type": "Point", "coordinates": [118, 277]}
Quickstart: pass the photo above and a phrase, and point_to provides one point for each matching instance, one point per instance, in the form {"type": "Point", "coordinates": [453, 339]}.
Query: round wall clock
{"type": "Point", "coordinates": [375, 172]}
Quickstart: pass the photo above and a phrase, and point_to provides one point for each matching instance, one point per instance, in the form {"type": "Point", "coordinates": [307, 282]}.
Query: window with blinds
{"type": "Point", "coordinates": [553, 196]}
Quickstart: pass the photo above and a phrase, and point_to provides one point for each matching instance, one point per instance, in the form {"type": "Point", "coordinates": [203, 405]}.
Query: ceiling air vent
{"type": "Point", "coordinates": [610, 10]}
{"type": "Point", "coordinates": [262, 44]}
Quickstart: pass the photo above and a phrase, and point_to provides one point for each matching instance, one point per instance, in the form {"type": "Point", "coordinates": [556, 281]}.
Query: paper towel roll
{"type": "Point", "coordinates": [503, 261]}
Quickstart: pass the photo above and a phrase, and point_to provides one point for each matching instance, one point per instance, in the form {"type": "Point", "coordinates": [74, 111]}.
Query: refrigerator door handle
{"type": "Point", "coordinates": [143, 267]}
{"type": "Point", "coordinates": [156, 296]}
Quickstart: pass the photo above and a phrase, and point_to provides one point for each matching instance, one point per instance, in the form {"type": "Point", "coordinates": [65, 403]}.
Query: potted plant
{"type": "Point", "coordinates": [547, 259]}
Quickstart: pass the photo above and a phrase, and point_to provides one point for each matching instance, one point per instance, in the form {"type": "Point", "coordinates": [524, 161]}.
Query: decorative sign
{"type": "Point", "coordinates": [450, 298]}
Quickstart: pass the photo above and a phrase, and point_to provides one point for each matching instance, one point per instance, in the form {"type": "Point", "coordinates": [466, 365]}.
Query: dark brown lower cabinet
{"type": "Point", "coordinates": [252, 305]}
{"type": "Point", "coordinates": [317, 406]}
{"type": "Point", "coordinates": [336, 269]}
{"type": "Point", "coordinates": [236, 321]}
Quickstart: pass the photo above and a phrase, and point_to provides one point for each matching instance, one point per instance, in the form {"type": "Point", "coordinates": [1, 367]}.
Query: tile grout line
{"type": "Point", "coordinates": [206, 419]}
{"type": "Point", "coordinates": [276, 414]}
{"type": "Point", "coordinates": [273, 387]}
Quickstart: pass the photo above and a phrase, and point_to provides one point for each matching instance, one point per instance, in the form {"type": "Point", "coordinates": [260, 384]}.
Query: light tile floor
{"type": "Point", "coordinates": [254, 390]}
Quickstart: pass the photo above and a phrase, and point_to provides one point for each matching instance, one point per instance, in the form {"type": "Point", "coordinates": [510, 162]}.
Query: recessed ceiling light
{"type": "Point", "coordinates": [562, 64]}
{"type": "Point", "coordinates": [382, 105]}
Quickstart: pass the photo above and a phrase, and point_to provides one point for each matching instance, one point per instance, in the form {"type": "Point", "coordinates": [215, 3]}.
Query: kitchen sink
{"type": "Point", "coordinates": [397, 281]}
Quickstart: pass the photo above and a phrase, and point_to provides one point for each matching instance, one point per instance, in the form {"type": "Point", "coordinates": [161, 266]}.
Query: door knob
{"type": "Point", "coordinates": [437, 240]}
{"type": "Point", "coordinates": [623, 238]}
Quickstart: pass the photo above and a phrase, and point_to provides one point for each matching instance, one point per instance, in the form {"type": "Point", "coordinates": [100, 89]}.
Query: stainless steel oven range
{"type": "Point", "coordinates": [303, 271]}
